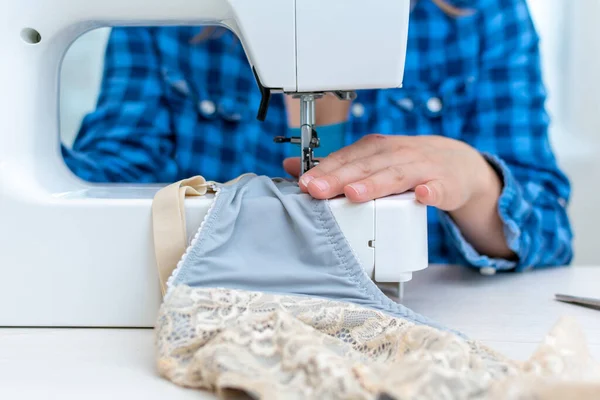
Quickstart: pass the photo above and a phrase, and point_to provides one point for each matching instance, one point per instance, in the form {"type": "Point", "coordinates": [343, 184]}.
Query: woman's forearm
{"type": "Point", "coordinates": [479, 221]}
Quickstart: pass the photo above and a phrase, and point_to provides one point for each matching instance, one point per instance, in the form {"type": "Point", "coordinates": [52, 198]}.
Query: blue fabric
{"type": "Point", "coordinates": [154, 121]}
{"type": "Point", "coordinates": [307, 253]}
{"type": "Point", "coordinates": [331, 139]}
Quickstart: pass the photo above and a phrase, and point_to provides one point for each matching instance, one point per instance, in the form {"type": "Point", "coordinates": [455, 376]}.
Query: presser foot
{"type": "Point", "coordinates": [309, 140]}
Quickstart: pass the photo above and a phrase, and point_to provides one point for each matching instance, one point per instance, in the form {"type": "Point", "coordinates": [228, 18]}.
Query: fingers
{"type": "Point", "coordinates": [365, 147]}
{"type": "Point", "coordinates": [392, 180]}
{"type": "Point", "coordinates": [332, 184]}
{"type": "Point", "coordinates": [378, 166]}
{"type": "Point", "coordinates": [432, 193]}
{"type": "Point", "coordinates": [424, 195]}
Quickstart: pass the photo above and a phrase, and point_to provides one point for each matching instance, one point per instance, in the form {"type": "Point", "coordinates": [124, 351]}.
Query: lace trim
{"type": "Point", "coordinates": [355, 271]}
{"type": "Point", "coordinates": [253, 345]}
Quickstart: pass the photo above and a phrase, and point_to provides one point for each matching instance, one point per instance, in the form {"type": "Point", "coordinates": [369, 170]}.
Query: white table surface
{"type": "Point", "coordinates": [510, 313]}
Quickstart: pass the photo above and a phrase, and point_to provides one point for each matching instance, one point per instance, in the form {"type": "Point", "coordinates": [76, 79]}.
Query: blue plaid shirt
{"type": "Point", "coordinates": [170, 109]}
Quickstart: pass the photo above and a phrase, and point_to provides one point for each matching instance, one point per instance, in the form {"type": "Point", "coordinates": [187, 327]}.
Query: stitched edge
{"type": "Point", "coordinates": [350, 265]}
{"type": "Point", "coordinates": [349, 261]}
{"type": "Point", "coordinates": [341, 248]}
{"type": "Point", "coordinates": [179, 271]}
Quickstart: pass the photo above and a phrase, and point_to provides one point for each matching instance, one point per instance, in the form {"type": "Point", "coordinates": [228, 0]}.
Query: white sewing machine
{"type": "Point", "coordinates": [76, 254]}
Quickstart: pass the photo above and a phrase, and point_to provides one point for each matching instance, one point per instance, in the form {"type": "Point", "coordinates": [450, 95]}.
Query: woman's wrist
{"type": "Point", "coordinates": [488, 188]}
{"type": "Point", "coordinates": [478, 219]}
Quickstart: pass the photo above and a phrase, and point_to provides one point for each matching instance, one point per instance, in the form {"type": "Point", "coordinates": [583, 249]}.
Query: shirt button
{"type": "Point", "coordinates": [488, 271]}
{"type": "Point", "coordinates": [434, 105]}
{"type": "Point", "coordinates": [406, 104]}
{"type": "Point", "coordinates": [358, 110]}
{"type": "Point", "coordinates": [207, 108]}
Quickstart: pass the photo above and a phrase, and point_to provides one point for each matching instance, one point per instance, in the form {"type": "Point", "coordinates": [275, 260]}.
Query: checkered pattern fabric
{"type": "Point", "coordinates": [171, 108]}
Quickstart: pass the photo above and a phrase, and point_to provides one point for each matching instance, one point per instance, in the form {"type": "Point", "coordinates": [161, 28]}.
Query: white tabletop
{"type": "Point", "coordinates": [511, 313]}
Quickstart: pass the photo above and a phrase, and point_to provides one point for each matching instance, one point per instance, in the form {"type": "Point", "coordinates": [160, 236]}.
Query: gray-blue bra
{"type": "Point", "coordinates": [266, 235]}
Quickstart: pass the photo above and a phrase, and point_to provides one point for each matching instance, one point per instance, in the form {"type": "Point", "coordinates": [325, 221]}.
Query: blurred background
{"type": "Point", "coordinates": [570, 36]}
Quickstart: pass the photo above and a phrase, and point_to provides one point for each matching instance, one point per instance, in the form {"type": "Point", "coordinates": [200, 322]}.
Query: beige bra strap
{"type": "Point", "coordinates": [168, 222]}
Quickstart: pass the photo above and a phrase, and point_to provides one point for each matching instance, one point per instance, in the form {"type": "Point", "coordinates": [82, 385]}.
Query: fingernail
{"type": "Point", "coordinates": [321, 184]}
{"type": "Point", "coordinates": [427, 196]}
{"type": "Point", "coordinates": [359, 188]}
{"type": "Point", "coordinates": [305, 179]}
{"type": "Point", "coordinates": [428, 190]}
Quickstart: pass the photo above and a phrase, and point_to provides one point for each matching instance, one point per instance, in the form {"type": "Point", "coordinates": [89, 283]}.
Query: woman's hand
{"type": "Point", "coordinates": [443, 172]}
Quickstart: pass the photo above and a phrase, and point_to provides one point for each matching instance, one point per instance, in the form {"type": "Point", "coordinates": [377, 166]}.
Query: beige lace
{"type": "Point", "coordinates": [242, 344]}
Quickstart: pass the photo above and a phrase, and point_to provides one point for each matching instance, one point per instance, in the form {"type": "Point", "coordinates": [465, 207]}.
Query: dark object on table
{"type": "Point", "coordinates": [582, 301]}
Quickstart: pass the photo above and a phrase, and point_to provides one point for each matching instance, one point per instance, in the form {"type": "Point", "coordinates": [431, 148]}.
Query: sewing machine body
{"type": "Point", "coordinates": [77, 254]}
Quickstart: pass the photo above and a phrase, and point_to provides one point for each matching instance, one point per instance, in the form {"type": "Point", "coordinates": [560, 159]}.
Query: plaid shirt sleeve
{"type": "Point", "coordinates": [128, 137]}
{"type": "Point", "coordinates": [510, 126]}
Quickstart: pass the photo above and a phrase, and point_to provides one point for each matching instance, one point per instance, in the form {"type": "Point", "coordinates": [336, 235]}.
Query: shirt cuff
{"type": "Point", "coordinates": [510, 205]}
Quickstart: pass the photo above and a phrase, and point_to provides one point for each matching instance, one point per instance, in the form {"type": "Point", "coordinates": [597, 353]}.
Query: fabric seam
{"type": "Point", "coordinates": [360, 278]}
{"type": "Point", "coordinates": [178, 271]}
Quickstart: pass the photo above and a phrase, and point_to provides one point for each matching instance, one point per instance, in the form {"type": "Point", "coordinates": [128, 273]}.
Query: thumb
{"type": "Point", "coordinates": [292, 166]}
{"type": "Point", "coordinates": [432, 193]}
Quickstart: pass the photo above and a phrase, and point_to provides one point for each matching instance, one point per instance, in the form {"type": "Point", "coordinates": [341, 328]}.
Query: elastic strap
{"type": "Point", "coordinates": [168, 222]}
